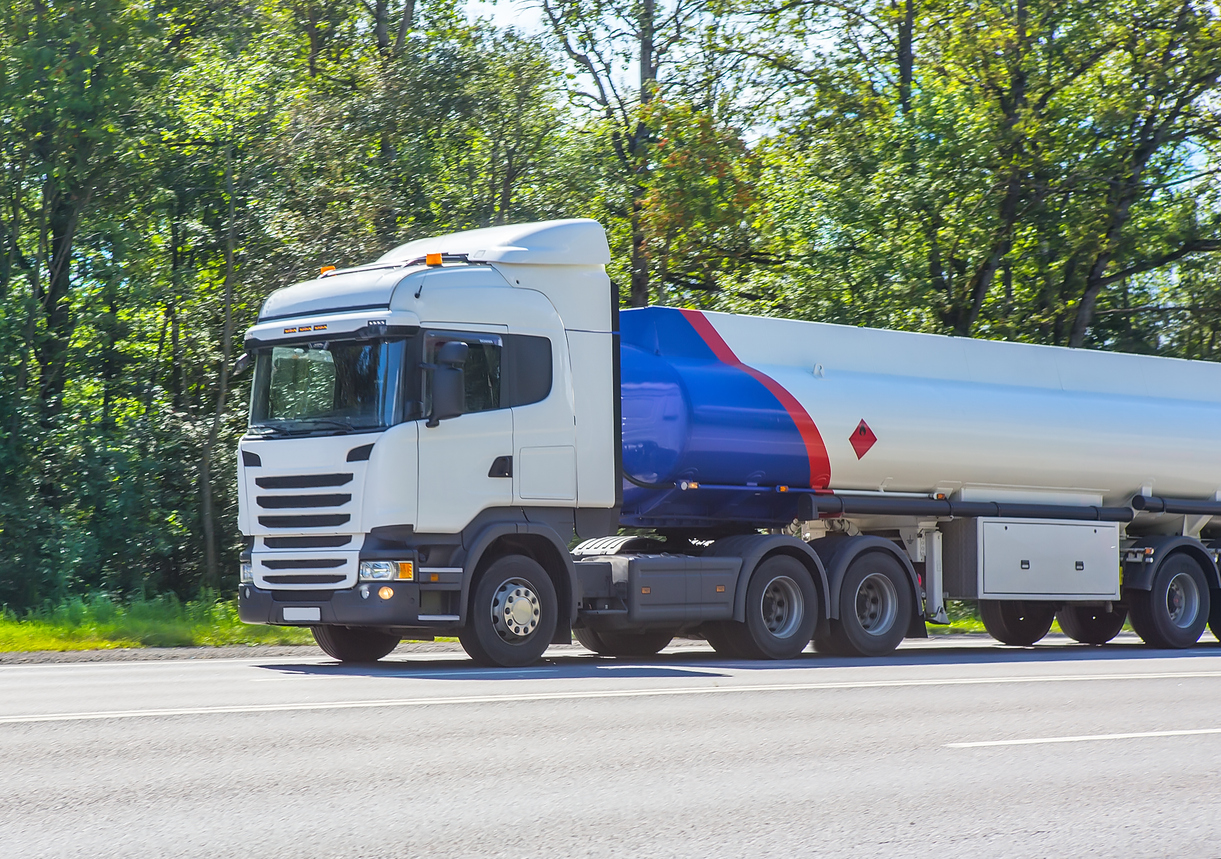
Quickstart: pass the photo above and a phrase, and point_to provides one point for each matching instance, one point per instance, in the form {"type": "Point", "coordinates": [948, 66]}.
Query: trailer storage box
{"type": "Point", "coordinates": [1031, 559]}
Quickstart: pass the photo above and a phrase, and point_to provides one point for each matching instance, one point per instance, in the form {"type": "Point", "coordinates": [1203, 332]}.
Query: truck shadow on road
{"type": "Point", "coordinates": [697, 662]}
{"type": "Point", "coordinates": [559, 668]}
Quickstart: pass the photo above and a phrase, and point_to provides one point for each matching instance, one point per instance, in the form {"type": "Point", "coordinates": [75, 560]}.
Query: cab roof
{"type": "Point", "coordinates": [575, 241]}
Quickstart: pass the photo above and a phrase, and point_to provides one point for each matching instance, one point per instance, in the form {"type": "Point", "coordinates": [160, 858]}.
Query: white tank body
{"type": "Point", "coordinates": [976, 419]}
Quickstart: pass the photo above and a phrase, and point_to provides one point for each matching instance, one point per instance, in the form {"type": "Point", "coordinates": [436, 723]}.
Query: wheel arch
{"type": "Point", "coordinates": [535, 541]}
{"type": "Point", "coordinates": [754, 549]}
{"type": "Point", "coordinates": [1138, 575]}
{"type": "Point", "coordinates": [838, 553]}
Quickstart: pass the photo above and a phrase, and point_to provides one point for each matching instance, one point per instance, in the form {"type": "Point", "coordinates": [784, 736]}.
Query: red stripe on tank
{"type": "Point", "coordinates": [816, 450]}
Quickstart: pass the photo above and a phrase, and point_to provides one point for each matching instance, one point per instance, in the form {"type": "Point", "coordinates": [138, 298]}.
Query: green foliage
{"type": "Point", "coordinates": [99, 622]}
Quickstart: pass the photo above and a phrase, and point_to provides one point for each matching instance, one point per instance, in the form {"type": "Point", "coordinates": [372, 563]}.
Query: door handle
{"type": "Point", "coordinates": [502, 466]}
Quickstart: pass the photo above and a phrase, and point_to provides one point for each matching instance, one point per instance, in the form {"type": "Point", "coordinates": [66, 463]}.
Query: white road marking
{"type": "Point", "coordinates": [1087, 738]}
{"type": "Point", "coordinates": [527, 697]}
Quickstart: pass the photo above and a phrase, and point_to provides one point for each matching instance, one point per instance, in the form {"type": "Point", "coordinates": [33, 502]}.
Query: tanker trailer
{"type": "Point", "coordinates": [1013, 474]}
{"type": "Point", "coordinates": [430, 433]}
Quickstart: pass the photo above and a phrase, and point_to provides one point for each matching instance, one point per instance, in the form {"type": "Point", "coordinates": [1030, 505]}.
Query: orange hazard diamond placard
{"type": "Point", "coordinates": [862, 439]}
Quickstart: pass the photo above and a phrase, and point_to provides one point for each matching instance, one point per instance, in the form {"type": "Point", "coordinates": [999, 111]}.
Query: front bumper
{"type": "Point", "coordinates": [358, 606]}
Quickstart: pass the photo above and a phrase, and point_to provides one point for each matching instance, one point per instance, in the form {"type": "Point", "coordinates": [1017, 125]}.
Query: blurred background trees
{"type": "Point", "coordinates": [1029, 170]}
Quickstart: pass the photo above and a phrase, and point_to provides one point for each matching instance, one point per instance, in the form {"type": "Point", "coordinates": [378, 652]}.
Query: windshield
{"type": "Point", "coordinates": [329, 386]}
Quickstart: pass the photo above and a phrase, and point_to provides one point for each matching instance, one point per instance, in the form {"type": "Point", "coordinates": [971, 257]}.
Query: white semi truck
{"type": "Point", "coordinates": [432, 433]}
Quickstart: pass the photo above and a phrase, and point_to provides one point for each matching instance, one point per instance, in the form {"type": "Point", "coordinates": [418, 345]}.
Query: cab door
{"type": "Point", "coordinates": [463, 461]}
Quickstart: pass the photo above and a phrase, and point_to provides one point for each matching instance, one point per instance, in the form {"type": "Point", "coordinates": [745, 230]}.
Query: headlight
{"type": "Point", "coordinates": [246, 573]}
{"type": "Point", "coordinates": [381, 571]}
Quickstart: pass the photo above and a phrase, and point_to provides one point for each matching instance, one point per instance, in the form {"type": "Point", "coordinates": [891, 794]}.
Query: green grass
{"type": "Point", "coordinates": [97, 622]}
{"type": "Point", "coordinates": [964, 617]}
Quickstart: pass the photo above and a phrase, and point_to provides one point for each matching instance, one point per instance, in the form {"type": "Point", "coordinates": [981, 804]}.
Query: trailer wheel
{"type": "Point", "coordinates": [1091, 625]}
{"type": "Point", "coordinates": [1174, 611]}
{"type": "Point", "coordinates": [512, 615]}
{"type": "Point", "coordinates": [1019, 623]}
{"type": "Point", "coordinates": [875, 607]}
{"type": "Point", "coordinates": [624, 644]}
{"type": "Point", "coordinates": [353, 644]}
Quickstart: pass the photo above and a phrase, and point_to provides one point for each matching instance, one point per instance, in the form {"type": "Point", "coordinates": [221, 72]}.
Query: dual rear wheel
{"type": "Point", "coordinates": [781, 611]}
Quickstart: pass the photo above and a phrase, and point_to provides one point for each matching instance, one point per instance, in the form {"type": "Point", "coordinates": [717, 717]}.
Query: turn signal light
{"type": "Point", "coordinates": [406, 571]}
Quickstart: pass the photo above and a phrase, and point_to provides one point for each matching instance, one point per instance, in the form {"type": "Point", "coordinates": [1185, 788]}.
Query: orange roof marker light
{"type": "Point", "coordinates": [322, 272]}
{"type": "Point", "coordinates": [433, 259]}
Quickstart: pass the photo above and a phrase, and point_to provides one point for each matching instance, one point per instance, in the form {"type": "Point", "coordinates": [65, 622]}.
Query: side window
{"type": "Point", "coordinates": [481, 370]}
{"type": "Point", "coordinates": [527, 369]}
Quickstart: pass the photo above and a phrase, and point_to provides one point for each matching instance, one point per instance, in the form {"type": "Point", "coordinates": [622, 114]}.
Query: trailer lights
{"type": "Point", "coordinates": [385, 593]}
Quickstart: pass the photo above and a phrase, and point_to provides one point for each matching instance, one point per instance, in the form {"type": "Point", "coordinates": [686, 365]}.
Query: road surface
{"type": "Point", "coordinates": [951, 748]}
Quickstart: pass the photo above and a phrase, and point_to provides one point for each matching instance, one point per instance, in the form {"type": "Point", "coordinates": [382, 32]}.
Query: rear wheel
{"type": "Point", "coordinates": [875, 608]}
{"type": "Point", "coordinates": [512, 615]}
{"type": "Point", "coordinates": [1019, 623]}
{"type": "Point", "coordinates": [354, 644]}
{"type": "Point", "coordinates": [1175, 609]}
{"type": "Point", "coordinates": [781, 611]}
{"type": "Point", "coordinates": [1089, 624]}
{"type": "Point", "coordinates": [720, 634]}
{"type": "Point", "coordinates": [624, 644]}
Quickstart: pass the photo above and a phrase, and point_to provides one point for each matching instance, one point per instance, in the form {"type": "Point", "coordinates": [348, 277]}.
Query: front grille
{"type": "Point", "coordinates": [303, 481]}
{"type": "Point", "coordinates": [280, 502]}
{"type": "Point", "coordinates": [326, 521]}
{"type": "Point", "coordinates": [306, 564]}
{"type": "Point", "coordinates": [327, 541]}
{"type": "Point", "coordinates": [304, 580]}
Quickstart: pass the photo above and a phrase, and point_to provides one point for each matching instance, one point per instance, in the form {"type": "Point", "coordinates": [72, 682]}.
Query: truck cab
{"type": "Point", "coordinates": [416, 420]}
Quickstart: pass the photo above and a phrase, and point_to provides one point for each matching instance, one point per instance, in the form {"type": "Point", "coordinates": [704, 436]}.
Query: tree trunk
{"type": "Point", "coordinates": [207, 511]}
{"type": "Point", "coordinates": [906, 58]}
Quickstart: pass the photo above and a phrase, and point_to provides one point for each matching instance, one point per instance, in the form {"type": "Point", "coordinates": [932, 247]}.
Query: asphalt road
{"type": "Point", "coordinates": [948, 749]}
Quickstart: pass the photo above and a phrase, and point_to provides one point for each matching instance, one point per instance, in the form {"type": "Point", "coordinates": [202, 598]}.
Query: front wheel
{"type": "Point", "coordinates": [875, 608]}
{"type": "Point", "coordinates": [1175, 609]}
{"type": "Point", "coordinates": [354, 644]}
{"type": "Point", "coordinates": [1091, 625]}
{"type": "Point", "coordinates": [1019, 623]}
{"type": "Point", "coordinates": [512, 615]}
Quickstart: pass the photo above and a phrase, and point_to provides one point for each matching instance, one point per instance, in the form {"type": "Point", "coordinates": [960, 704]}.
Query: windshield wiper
{"type": "Point", "coordinates": [306, 426]}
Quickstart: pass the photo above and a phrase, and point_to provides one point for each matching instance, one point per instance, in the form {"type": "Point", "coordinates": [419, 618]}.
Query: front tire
{"type": "Point", "coordinates": [513, 613]}
{"type": "Point", "coordinates": [1176, 608]}
{"type": "Point", "coordinates": [354, 644]}
{"type": "Point", "coordinates": [875, 608]}
{"type": "Point", "coordinates": [1018, 623]}
{"type": "Point", "coordinates": [1091, 625]}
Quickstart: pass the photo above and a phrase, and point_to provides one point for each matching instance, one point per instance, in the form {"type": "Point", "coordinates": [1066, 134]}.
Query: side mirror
{"type": "Point", "coordinates": [240, 365]}
{"type": "Point", "coordinates": [448, 382]}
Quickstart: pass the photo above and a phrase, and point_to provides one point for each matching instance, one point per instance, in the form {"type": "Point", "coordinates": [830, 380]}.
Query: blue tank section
{"type": "Point", "coordinates": [691, 412]}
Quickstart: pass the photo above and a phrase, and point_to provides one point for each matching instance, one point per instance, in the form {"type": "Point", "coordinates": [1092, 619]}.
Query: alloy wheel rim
{"type": "Point", "coordinates": [1183, 601]}
{"type": "Point", "coordinates": [782, 606]}
{"type": "Point", "coordinates": [516, 610]}
{"type": "Point", "coordinates": [877, 604]}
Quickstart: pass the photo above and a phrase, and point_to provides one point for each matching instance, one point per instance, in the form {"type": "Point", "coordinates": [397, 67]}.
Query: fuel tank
{"type": "Point", "coordinates": [732, 400]}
